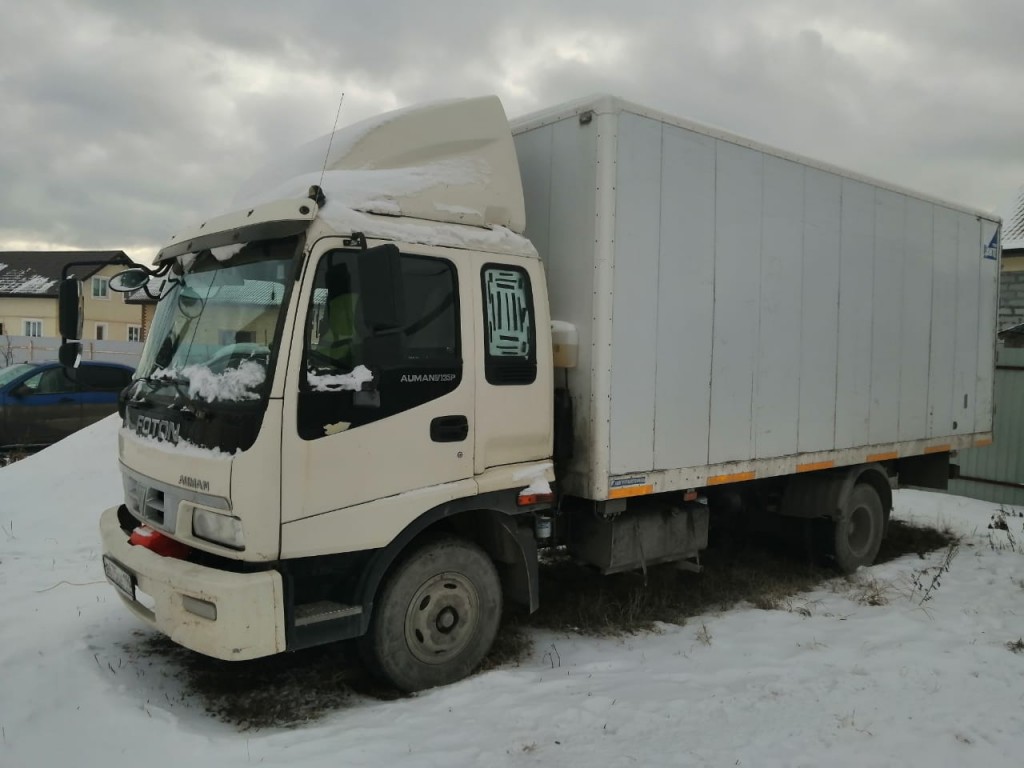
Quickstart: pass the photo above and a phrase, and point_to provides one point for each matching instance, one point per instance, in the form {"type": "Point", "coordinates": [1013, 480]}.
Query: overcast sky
{"type": "Point", "coordinates": [122, 121]}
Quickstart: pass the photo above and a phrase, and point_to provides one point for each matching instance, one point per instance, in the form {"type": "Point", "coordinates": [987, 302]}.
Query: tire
{"type": "Point", "coordinates": [857, 535]}
{"type": "Point", "coordinates": [436, 616]}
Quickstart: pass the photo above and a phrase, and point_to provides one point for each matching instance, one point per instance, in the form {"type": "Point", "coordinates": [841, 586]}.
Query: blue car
{"type": "Point", "coordinates": [40, 403]}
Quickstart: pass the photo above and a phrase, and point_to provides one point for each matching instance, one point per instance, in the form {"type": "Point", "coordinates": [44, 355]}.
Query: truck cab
{"type": "Point", "coordinates": [331, 399]}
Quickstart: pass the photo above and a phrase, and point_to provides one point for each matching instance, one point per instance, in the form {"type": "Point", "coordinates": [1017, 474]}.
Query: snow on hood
{"type": "Point", "coordinates": [231, 385]}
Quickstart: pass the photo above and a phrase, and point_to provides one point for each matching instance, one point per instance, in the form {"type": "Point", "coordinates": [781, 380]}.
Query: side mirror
{"type": "Point", "coordinates": [70, 308]}
{"type": "Point", "coordinates": [129, 280]}
{"type": "Point", "coordinates": [382, 303]}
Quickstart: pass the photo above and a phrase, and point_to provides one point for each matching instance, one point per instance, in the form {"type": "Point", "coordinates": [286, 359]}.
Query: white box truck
{"type": "Point", "coordinates": [429, 344]}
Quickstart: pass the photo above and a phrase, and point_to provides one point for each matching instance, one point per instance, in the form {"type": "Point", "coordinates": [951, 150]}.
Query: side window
{"type": "Point", "coordinates": [363, 365]}
{"type": "Point", "coordinates": [52, 381]}
{"type": "Point", "coordinates": [102, 379]}
{"type": "Point", "coordinates": [510, 334]}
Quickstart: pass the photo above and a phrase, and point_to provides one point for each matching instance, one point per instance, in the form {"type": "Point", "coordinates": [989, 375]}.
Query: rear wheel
{"type": "Point", "coordinates": [436, 617]}
{"type": "Point", "coordinates": [857, 534]}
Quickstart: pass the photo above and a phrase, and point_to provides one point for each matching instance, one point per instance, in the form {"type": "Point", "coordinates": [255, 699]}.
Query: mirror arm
{"type": "Point", "coordinates": [70, 352]}
{"type": "Point", "coordinates": [122, 260]}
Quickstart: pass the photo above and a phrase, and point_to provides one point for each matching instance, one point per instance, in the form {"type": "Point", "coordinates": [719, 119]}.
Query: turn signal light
{"type": "Point", "coordinates": [529, 499]}
{"type": "Point", "coordinates": [147, 537]}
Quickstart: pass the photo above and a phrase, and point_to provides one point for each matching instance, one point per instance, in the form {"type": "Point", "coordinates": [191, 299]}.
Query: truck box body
{"type": "Point", "coordinates": [744, 312]}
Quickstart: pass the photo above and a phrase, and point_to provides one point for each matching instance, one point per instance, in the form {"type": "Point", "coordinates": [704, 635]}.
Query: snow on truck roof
{"type": "Point", "coordinates": [443, 173]}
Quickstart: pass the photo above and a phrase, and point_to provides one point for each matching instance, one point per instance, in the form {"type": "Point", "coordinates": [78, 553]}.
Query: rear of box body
{"type": "Point", "coordinates": [744, 312]}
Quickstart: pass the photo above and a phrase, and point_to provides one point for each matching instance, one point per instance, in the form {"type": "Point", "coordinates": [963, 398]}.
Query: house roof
{"type": "Point", "coordinates": [1013, 227]}
{"type": "Point", "coordinates": [36, 274]}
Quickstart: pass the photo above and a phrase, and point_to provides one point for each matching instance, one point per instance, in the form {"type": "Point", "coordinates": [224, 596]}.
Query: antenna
{"type": "Point", "coordinates": [331, 140]}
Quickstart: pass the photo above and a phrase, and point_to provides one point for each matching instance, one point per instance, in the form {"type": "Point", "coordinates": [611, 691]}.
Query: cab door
{"type": "Point", "coordinates": [514, 391]}
{"type": "Point", "coordinates": [379, 425]}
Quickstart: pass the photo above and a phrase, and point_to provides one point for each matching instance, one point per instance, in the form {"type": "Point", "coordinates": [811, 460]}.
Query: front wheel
{"type": "Point", "coordinates": [436, 617]}
{"type": "Point", "coordinates": [857, 534]}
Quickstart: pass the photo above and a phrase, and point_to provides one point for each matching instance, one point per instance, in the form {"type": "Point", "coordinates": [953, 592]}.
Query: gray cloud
{"type": "Point", "coordinates": [125, 121]}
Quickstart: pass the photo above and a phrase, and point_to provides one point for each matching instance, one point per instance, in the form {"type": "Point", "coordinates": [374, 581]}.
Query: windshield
{"type": "Point", "coordinates": [216, 326]}
{"type": "Point", "coordinates": [7, 375]}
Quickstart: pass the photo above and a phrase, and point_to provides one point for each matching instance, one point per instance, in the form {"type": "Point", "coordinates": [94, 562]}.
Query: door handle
{"type": "Point", "coordinates": [67, 400]}
{"type": "Point", "coordinates": [449, 429]}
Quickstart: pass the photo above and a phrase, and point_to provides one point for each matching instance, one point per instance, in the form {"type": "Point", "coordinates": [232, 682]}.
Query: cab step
{"type": "Point", "coordinates": [324, 610]}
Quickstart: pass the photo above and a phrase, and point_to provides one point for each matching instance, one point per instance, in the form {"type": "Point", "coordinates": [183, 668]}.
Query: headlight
{"type": "Point", "coordinates": [220, 529]}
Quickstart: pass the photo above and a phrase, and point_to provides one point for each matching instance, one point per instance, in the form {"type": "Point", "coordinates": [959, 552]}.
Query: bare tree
{"type": "Point", "coordinates": [6, 351]}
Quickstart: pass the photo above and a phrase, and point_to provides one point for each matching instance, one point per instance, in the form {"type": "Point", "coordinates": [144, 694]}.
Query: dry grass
{"type": "Point", "coordinates": [294, 688]}
{"type": "Point", "coordinates": [11, 456]}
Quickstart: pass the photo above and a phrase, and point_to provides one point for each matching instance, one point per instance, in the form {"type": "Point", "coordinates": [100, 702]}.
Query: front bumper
{"type": "Point", "coordinates": [249, 607]}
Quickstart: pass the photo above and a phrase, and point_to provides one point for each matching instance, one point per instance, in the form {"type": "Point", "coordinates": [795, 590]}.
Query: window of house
{"type": "Point", "coordinates": [101, 331]}
{"type": "Point", "coordinates": [134, 333]}
{"type": "Point", "coordinates": [99, 288]}
{"type": "Point", "coordinates": [32, 327]}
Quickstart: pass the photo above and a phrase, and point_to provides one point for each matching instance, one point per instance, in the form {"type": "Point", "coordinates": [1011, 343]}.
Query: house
{"type": "Point", "coordinates": [1011, 280]}
{"type": "Point", "coordinates": [29, 282]}
{"type": "Point", "coordinates": [146, 300]}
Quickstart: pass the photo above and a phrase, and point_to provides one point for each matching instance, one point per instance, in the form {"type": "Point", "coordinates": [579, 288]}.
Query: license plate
{"type": "Point", "coordinates": [120, 577]}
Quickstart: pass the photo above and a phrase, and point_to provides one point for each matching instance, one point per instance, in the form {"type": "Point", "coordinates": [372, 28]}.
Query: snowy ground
{"type": "Point", "coordinates": [836, 682]}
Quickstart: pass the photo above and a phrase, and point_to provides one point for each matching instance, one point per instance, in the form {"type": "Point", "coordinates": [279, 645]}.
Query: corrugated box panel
{"type": "Point", "coordinates": [758, 305]}
{"type": "Point", "coordinates": [833, 313]}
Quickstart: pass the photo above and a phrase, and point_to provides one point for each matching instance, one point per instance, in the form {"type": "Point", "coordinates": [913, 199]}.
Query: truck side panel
{"type": "Point", "coordinates": [988, 291]}
{"type": "Point", "coordinates": [856, 266]}
{"type": "Point", "coordinates": [686, 299]}
{"type": "Point", "coordinates": [966, 356]}
{"type": "Point", "coordinates": [943, 338]}
{"type": "Point", "coordinates": [737, 290]}
{"type": "Point", "coordinates": [634, 312]}
{"type": "Point", "coordinates": [820, 311]}
{"type": "Point", "coordinates": [769, 314]}
{"type": "Point", "coordinates": [776, 399]}
{"type": "Point", "coordinates": [915, 324]}
{"type": "Point", "coordinates": [886, 317]}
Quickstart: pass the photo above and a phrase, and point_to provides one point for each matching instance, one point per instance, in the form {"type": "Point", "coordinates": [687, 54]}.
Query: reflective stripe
{"type": "Point", "coordinates": [814, 466]}
{"type": "Point", "coordinates": [739, 477]}
{"type": "Point", "coordinates": [883, 456]}
{"type": "Point", "coordinates": [630, 490]}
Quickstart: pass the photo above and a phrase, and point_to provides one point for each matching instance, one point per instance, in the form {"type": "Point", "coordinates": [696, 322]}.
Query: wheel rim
{"type": "Point", "coordinates": [442, 618]}
{"type": "Point", "coordinates": [858, 530]}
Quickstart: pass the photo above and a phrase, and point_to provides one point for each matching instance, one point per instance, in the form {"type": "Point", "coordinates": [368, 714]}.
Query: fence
{"type": "Point", "coordinates": [996, 472]}
{"type": "Point", "coordinates": [30, 349]}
